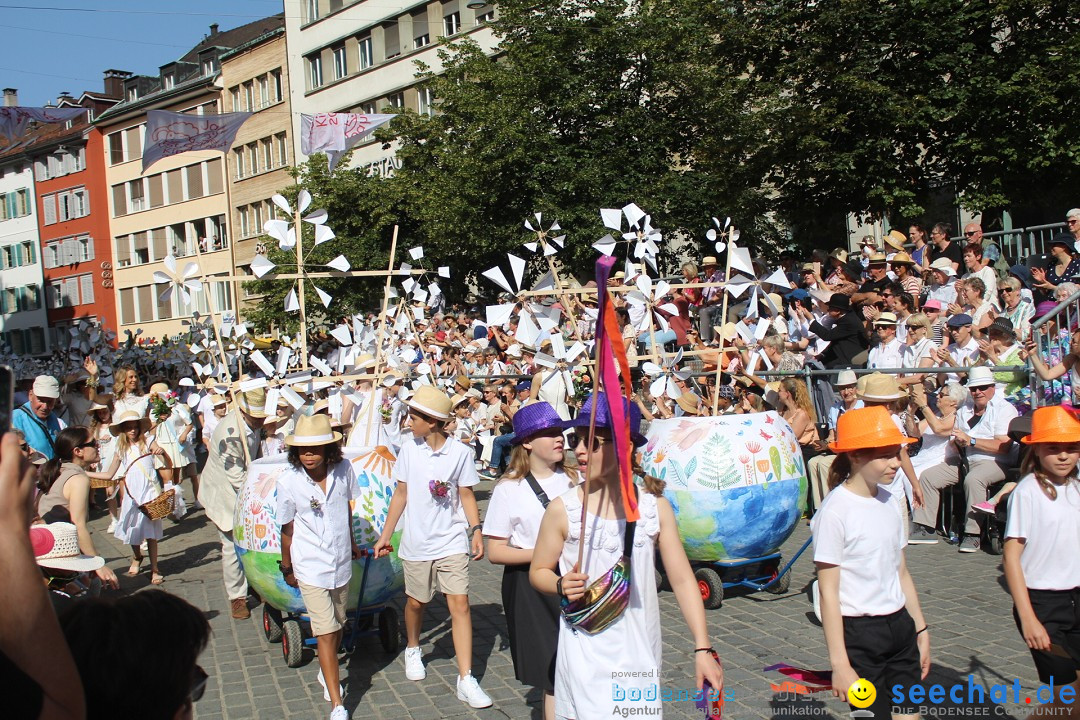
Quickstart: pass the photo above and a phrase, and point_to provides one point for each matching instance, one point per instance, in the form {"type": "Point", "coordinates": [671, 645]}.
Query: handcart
{"type": "Point", "coordinates": [757, 573]}
{"type": "Point", "coordinates": [293, 630]}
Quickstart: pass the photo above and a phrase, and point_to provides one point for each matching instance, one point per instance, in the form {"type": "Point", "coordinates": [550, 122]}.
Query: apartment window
{"type": "Point", "coordinates": [133, 142]}
{"type": "Point", "coordinates": [485, 17]}
{"type": "Point", "coordinates": [195, 181]}
{"type": "Point", "coordinates": [52, 295]}
{"type": "Point", "coordinates": [315, 76]}
{"type": "Point", "coordinates": [341, 62]}
{"type": "Point", "coordinates": [116, 148]}
{"type": "Point", "coordinates": [425, 99]}
{"type": "Point", "coordinates": [51, 257]}
{"type": "Point", "coordinates": [312, 7]}
{"type": "Point", "coordinates": [136, 195]}
{"type": "Point", "coordinates": [391, 40]}
{"type": "Point", "coordinates": [275, 86]}
{"type": "Point", "coordinates": [238, 159]}
{"type": "Point", "coordinates": [422, 40]}
{"type": "Point", "coordinates": [86, 248]}
{"type": "Point", "coordinates": [127, 305]}
{"type": "Point", "coordinates": [452, 23]}
{"type": "Point", "coordinates": [215, 176]}
{"type": "Point", "coordinates": [243, 215]}
{"type": "Point", "coordinates": [366, 55]}
{"type": "Point", "coordinates": [209, 66]}
{"type": "Point", "coordinates": [132, 93]}
{"type": "Point", "coordinates": [168, 82]}
{"type": "Point", "coordinates": [215, 232]}
{"type": "Point", "coordinates": [257, 214]}
{"type": "Point", "coordinates": [264, 91]}
{"type": "Point", "coordinates": [235, 93]}
{"type": "Point", "coordinates": [397, 100]}
{"type": "Point", "coordinates": [282, 149]}
{"type": "Point", "coordinates": [28, 253]}
{"type": "Point", "coordinates": [267, 148]}
{"type": "Point", "coordinates": [253, 157]}
{"type": "Point", "coordinates": [249, 96]}
{"type": "Point", "coordinates": [86, 289]}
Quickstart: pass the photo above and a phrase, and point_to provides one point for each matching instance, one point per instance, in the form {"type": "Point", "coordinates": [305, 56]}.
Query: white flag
{"type": "Point", "coordinates": [13, 120]}
{"type": "Point", "coordinates": [335, 133]}
{"type": "Point", "coordinates": [169, 133]}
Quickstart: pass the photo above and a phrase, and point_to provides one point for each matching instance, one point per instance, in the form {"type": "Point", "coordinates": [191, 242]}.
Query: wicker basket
{"type": "Point", "coordinates": [96, 484]}
{"type": "Point", "coordinates": [160, 506]}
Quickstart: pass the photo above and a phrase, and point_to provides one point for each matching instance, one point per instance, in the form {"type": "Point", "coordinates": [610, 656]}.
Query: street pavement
{"type": "Point", "coordinates": [964, 598]}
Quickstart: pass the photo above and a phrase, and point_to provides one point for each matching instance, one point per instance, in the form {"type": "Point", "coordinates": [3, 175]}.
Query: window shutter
{"type": "Point", "coordinates": [31, 252]}
{"type": "Point", "coordinates": [41, 170]}
{"type": "Point", "coordinates": [49, 203]}
{"type": "Point", "coordinates": [86, 286]}
{"type": "Point", "coordinates": [89, 247]}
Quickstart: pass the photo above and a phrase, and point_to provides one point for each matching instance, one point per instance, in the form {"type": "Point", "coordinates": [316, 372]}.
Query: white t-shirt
{"type": "Point", "coordinates": [514, 512]}
{"type": "Point", "coordinates": [963, 356]}
{"type": "Point", "coordinates": [1051, 529]}
{"type": "Point", "coordinates": [434, 528]}
{"type": "Point", "coordinates": [995, 423]}
{"type": "Point", "coordinates": [886, 355]}
{"type": "Point", "coordinates": [321, 542]}
{"type": "Point", "coordinates": [865, 537]}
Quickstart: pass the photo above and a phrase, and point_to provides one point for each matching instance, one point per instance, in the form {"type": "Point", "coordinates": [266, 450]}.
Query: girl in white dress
{"type": "Point", "coordinates": [172, 432]}
{"type": "Point", "coordinates": [134, 460]}
{"type": "Point", "coordinates": [100, 418]}
{"type": "Point", "coordinates": [584, 688]}
{"type": "Point", "coordinates": [127, 392]}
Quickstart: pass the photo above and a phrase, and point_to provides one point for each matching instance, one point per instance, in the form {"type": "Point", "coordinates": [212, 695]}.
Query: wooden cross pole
{"type": "Point", "coordinates": [300, 270]}
{"type": "Point", "coordinates": [382, 327]}
{"type": "Point", "coordinates": [723, 320]}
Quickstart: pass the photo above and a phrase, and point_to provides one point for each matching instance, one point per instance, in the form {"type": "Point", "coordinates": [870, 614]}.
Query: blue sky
{"type": "Point", "coordinates": [48, 51]}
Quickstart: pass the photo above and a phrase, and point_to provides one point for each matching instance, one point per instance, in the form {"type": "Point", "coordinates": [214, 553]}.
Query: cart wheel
{"type": "Point", "coordinates": [994, 543]}
{"type": "Point", "coordinates": [781, 585]}
{"type": "Point", "coordinates": [711, 587]}
{"type": "Point", "coordinates": [272, 624]}
{"type": "Point", "coordinates": [659, 579]}
{"type": "Point", "coordinates": [389, 633]}
{"type": "Point", "coordinates": [292, 643]}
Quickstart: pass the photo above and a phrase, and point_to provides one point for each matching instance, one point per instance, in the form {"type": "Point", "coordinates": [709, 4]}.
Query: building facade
{"type": "Point", "coordinates": [179, 206]}
{"type": "Point", "coordinates": [359, 56]}
{"type": "Point", "coordinates": [255, 78]}
{"type": "Point", "coordinates": [22, 299]}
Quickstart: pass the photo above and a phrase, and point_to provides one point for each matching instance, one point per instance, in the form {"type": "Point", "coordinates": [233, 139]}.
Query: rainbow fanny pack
{"type": "Point", "coordinates": [606, 598]}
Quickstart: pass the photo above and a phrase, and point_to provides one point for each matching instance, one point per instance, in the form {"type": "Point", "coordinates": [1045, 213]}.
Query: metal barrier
{"type": "Point", "coordinates": [1020, 243]}
{"type": "Point", "coordinates": [1052, 334]}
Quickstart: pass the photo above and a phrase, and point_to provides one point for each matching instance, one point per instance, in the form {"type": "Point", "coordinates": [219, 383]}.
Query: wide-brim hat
{"type": "Point", "coordinates": [980, 376]}
{"type": "Point", "coordinates": [878, 259]}
{"type": "Point", "coordinates": [879, 387]}
{"type": "Point", "coordinates": [1002, 325]}
{"type": "Point", "coordinates": [463, 381]}
{"type": "Point", "coordinates": [708, 260]}
{"type": "Point", "coordinates": [253, 402]}
{"type": "Point", "coordinates": [846, 377]}
{"type": "Point", "coordinates": [534, 418]}
{"type": "Point", "coordinates": [1021, 273]}
{"type": "Point", "coordinates": [886, 318]}
{"type": "Point", "coordinates": [944, 265]}
{"type": "Point", "coordinates": [895, 239]}
{"type": "Point", "coordinates": [313, 430]}
{"type": "Point", "coordinates": [839, 254]}
{"type": "Point", "coordinates": [56, 546]}
{"type": "Point", "coordinates": [866, 428]}
{"type": "Point", "coordinates": [159, 388]}
{"type": "Point", "coordinates": [901, 258]}
{"type": "Point", "coordinates": [126, 417]}
{"type": "Point", "coordinates": [431, 401]}
{"type": "Point", "coordinates": [94, 407]}
{"type": "Point", "coordinates": [1052, 423]}
{"type": "Point", "coordinates": [364, 361]}
{"type": "Point", "coordinates": [603, 416]}
{"type": "Point", "coordinates": [689, 402]}
{"type": "Point", "coordinates": [839, 301]}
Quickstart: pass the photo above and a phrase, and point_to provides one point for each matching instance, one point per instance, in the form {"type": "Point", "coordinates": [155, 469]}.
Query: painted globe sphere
{"type": "Point", "coordinates": [257, 532]}
{"type": "Point", "coordinates": [737, 482]}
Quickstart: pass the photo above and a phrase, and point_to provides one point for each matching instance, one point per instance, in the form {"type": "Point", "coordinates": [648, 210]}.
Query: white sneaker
{"type": "Point", "coordinates": [414, 664]}
{"type": "Point", "coordinates": [112, 526]}
{"type": "Point", "coordinates": [468, 691]}
{"type": "Point", "coordinates": [339, 713]}
{"type": "Point", "coordinates": [326, 690]}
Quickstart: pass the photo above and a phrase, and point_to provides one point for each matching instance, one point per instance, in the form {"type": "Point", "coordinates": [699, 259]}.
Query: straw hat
{"type": "Point", "coordinates": [688, 401]}
{"type": "Point", "coordinates": [129, 416]}
{"type": "Point", "coordinates": [895, 239]}
{"type": "Point", "coordinates": [1052, 424]}
{"type": "Point", "coordinates": [865, 428]}
{"type": "Point", "coordinates": [845, 378]}
{"type": "Point", "coordinates": [365, 361]}
{"type": "Point", "coordinates": [456, 400]}
{"type": "Point", "coordinates": [431, 401]}
{"type": "Point", "coordinates": [159, 388]}
{"type": "Point", "coordinates": [839, 254]}
{"type": "Point", "coordinates": [313, 430]}
{"type": "Point", "coordinates": [886, 318]}
{"type": "Point", "coordinates": [878, 387]}
{"type": "Point", "coordinates": [94, 407]}
{"type": "Point", "coordinates": [253, 402]}
{"type": "Point", "coordinates": [944, 266]}
{"type": "Point", "coordinates": [878, 259]}
{"type": "Point", "coordinates": [901, 258]}
{"type": "Point", "coordinates": [708, 260]}
{"type": "Point", "coordinates": [56, 546]}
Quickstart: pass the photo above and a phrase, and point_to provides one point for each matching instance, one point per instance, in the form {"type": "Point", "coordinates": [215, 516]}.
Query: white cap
{"type": "Point", "coordinates": [46, 386]}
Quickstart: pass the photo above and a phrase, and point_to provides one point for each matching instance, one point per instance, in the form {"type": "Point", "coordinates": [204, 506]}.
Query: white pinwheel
{"type": "Point", "coordinates": [664, 376]}
{"type": "Point", "coordinates": [535, 321]}
{"type": "Point", "coordinates": [562, 359]}
{"type": "Point", "coordinates": [640, 231]}
{"type": "Point", "coordinates": [185, 281]}
{"type": "Point", "coordinates": [546, 241]}
{"type": "Point", "coordinates": [649, 299]}
{"type": "Point", "coordinates": [284, 231]}
{"type": "Point", "coordinates": [726, 232]}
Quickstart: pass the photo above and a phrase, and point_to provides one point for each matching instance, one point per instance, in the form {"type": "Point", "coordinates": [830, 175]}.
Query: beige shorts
{"type": "Point", "coordinates": [325, 608]}
{"type": "Point", "coordinates": [449, 575]}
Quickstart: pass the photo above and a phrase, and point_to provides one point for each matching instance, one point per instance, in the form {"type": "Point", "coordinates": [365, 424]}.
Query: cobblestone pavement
{"type": "Point", "coordinates": [964, 598]}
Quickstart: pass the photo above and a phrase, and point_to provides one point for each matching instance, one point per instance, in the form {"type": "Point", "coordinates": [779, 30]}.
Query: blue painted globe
{"type": "Point", "coordinates": [737, 482]}
{"type": "Point", "coordinates": [257, 532]}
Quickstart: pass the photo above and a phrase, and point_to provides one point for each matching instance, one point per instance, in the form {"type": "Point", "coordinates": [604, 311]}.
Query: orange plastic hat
{"type": "Point", "coordinates": [870, 427]}
{"type": "Point", "coordinates": [1053, 424]}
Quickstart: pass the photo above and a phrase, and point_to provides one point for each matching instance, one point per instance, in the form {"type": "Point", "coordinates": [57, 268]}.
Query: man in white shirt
{"type": "Point", "coordinates": [435, 476]}
{"type": "Point", "coordinates": [962, 352]}
{"type": "Point", "coordinates": [889, 351]}
{"type": "Point", "coordinates": [982, 429]}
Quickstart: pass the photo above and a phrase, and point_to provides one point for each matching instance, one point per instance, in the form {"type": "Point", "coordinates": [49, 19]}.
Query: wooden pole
{"type": "Point", "coordinates": [723, 321]}
{"type": "Point", "coordinates": [377, 384]}
{"type": "Point", "coordinates": [300, 283]}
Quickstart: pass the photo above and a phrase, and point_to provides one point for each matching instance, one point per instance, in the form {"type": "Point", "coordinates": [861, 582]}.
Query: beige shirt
{"type": "Point", "coordinates": [226, 468]}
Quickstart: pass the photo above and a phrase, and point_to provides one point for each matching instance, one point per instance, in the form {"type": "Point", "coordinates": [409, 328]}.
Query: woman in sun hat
{"type": "Point", "coordinates": [172, 431]}
{"type": "Point", "coordinates": [870, 611]}
{"type": "Point", "coordinates": [317, 542]}
{"type": "Point", "coordinates": [626, 635]}
{"type": "Point", "coordinates": [1041, 536]}
{"type": "Point", "coordinates": [536, 473]}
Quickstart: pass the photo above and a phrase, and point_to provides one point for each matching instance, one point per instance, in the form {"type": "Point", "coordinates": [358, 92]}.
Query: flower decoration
{"type": "Point", "coordinates": [440, 489]}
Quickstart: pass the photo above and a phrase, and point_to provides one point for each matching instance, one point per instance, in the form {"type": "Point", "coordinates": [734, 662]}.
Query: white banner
{"type": "Point", "coordinates": [335, 133]}
{"type": "Point", "coordinates": [14, 120]}
{"type": "Point", "coordinates": [169, 133]}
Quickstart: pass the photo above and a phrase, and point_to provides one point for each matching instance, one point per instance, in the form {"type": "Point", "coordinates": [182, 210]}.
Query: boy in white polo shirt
{"type": "Point", "coordinates": [317, 542]}
{"type": "Point", "coordinates": [435, 475]}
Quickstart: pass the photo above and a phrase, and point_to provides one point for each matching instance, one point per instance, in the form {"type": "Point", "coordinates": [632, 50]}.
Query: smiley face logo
{"type": "Point", "coordinates": [862, 693]}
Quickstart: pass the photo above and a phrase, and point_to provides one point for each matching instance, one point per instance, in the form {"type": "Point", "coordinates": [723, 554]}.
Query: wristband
{"type": "Point", "coordinates": [558, 587]}
{"type": "Point", "coordinates": [285, 571]}
{"type": "Point", "coordinates": [920, 632]}
{"type": "Point", "coordinates": [474, 528]}
{"type": "Point", "coordinates": [708, 650]}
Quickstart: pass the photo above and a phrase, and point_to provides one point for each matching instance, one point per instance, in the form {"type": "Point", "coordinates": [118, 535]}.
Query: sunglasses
{"type": "Point", "coordinates": [198, 685]}
{"type": "Point", "coordinates": [573, 439]}
{"type": "Point", "coordinates": [92, 443]}
{"type": "Point", "coordinates": [969, 234]}
{"type": "Point", "coordinates": [25, 447]}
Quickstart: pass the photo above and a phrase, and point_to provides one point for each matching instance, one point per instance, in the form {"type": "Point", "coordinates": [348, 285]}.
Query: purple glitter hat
{"type": "Point", "coordinates": [533, 418]}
